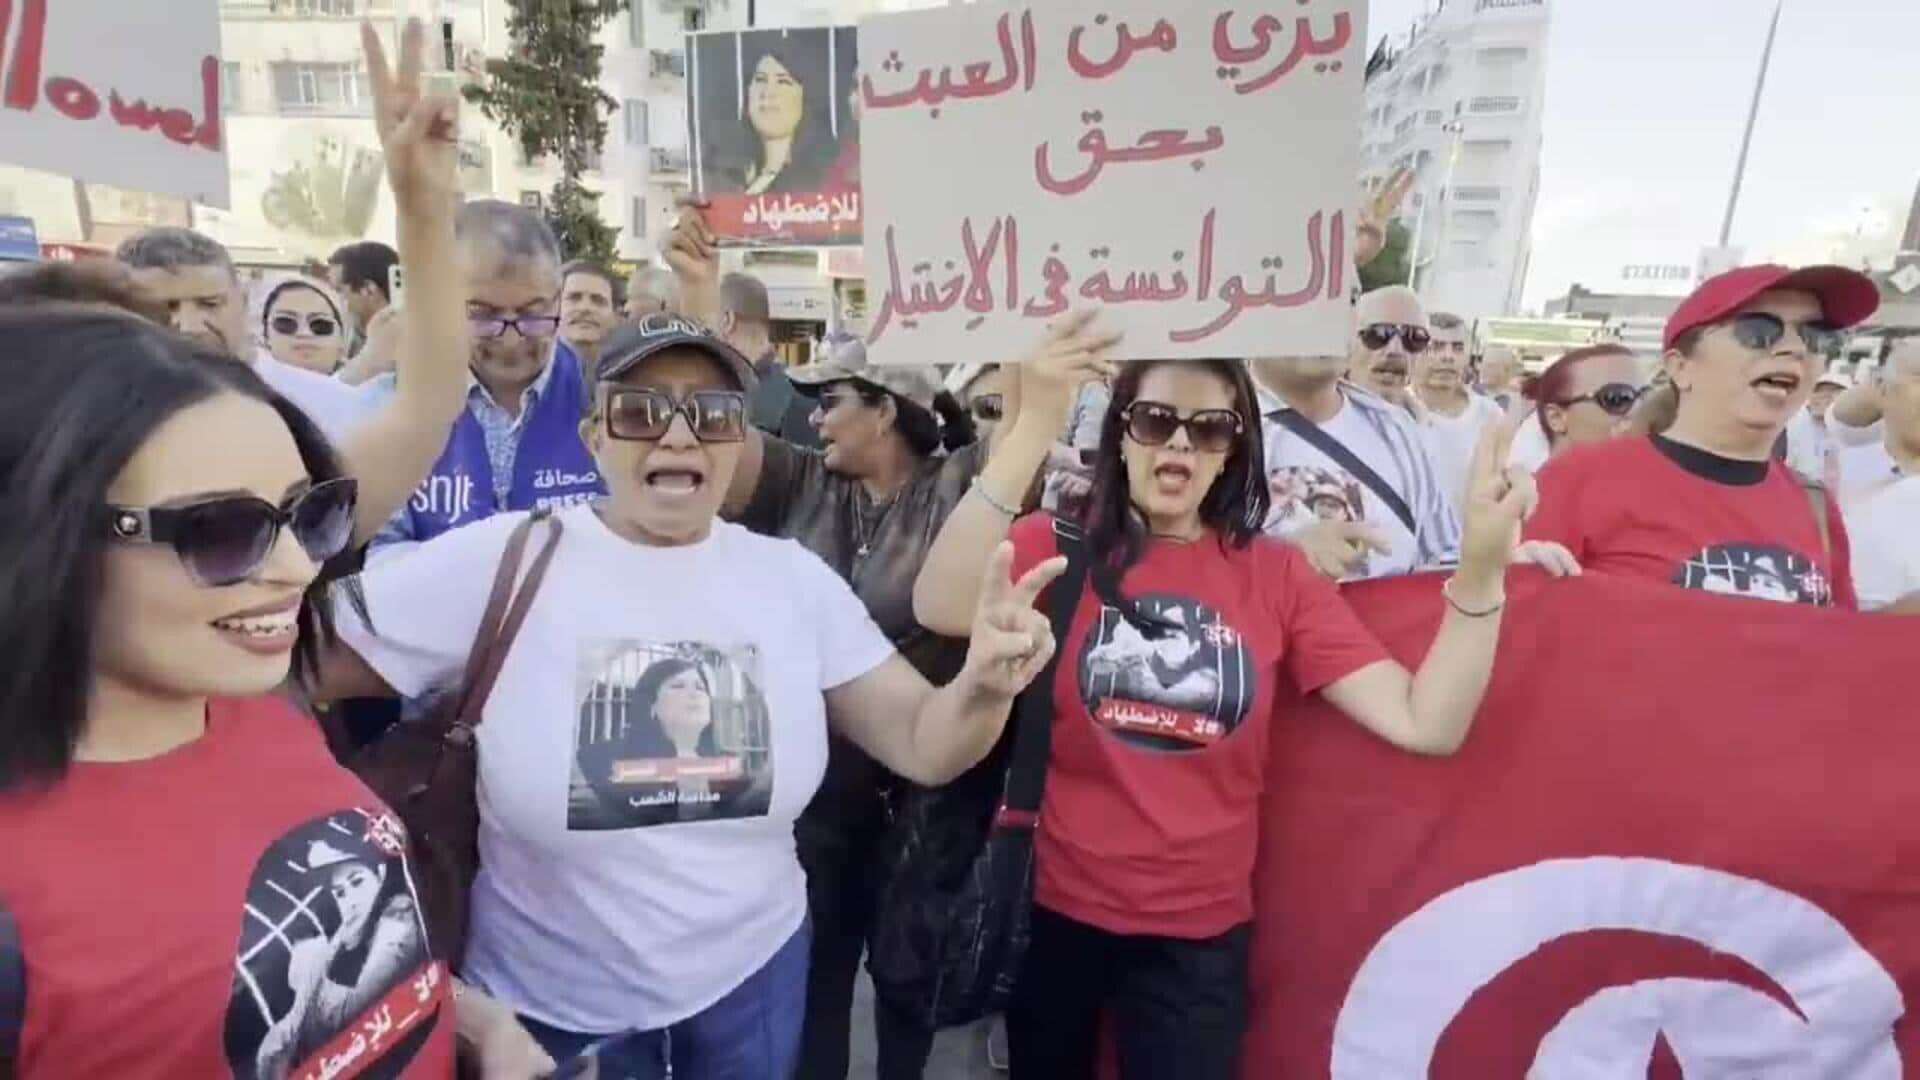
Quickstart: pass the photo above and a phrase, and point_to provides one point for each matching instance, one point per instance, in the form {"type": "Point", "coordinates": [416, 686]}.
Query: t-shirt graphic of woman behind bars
{"type": "Point", "coordinates": [334, 971]}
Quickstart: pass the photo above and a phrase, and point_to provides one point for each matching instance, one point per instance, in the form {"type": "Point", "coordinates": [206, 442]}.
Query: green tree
{"type": "Point", "coordinates": [547, 96]}
{"type": "Point", "coordinates": [1390, 266]}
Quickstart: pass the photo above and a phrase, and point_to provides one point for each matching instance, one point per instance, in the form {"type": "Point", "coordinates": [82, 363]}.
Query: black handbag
{"type": "Point", "coordinates": [955, 910]}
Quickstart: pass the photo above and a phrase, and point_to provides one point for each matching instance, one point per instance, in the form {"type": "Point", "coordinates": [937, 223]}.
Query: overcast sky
{"type": "Point", "coordinates": [1645, 102]}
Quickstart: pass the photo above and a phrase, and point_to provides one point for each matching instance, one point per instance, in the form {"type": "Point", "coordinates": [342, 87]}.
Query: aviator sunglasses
{"type": "Point", "coordinates": [225, 540]}
{"type": "Point", "coordinates": [1211, 431]}
{"type": "Point", "coordinates": [1379, 335]}
{"type": "Point", "coordinates": [1614, 399]}
{"type": "Point", "coordinates": [716, 416]}
{"type": "Point", "coordinates": [1761, 331]}
{"type": "Point", "coordinates": [317, 325]}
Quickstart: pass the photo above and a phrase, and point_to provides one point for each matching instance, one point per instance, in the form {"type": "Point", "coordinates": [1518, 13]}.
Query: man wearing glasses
{"type": "Point", "coordinates": [1326, 434]}
{"type": "Point", "coordinates": [517, 446]}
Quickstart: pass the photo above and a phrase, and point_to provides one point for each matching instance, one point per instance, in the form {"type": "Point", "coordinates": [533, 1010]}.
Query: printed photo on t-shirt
{"type": "Point", "coordinates": [1760, 573]}
{"type": "Point", "coordinates": [334, 977]}
{"type": "Point", "coordinates": [667, 733]}
{"type": "Point", "coordinates": [1302, 495]}
{"type": "Point", "coordinates": [1183, 682]}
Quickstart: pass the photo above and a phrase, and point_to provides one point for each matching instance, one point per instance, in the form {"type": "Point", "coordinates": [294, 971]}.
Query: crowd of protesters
{"type": "Point", "coordinates": [786, 616]}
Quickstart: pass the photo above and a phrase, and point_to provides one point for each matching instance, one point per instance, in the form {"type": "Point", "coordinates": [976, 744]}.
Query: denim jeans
{"type": "Point", "coordinates": [751, 1034]}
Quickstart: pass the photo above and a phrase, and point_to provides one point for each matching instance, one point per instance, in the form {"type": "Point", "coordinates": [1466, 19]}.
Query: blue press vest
{"type": "Point", "coordinates": [551, 469]}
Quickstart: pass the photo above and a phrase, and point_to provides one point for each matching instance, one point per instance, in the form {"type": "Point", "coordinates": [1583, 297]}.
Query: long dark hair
{"type": "Point", "coordinates": [648, 739]}
{"type": "Point", "coordinates": [814, 147]}
{"type": "Point", "coordinates": [85, 388]}
{"type": "Point", "coordinates": [1234, 508]}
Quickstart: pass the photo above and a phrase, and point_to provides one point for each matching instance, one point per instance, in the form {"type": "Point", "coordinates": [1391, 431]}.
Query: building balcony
{"type": "Point", "coordinates": [667, 63]}
{"type": "Point", "coordinates": [1499, 106]}
{"type": "Point", "coordinates": [667, 159]}
{"type": "Point", "coordinates": [1478, 193]}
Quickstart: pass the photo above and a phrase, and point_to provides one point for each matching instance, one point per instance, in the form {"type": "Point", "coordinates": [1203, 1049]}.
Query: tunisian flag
{"type": "Point", "coordinates": [1683, 840]}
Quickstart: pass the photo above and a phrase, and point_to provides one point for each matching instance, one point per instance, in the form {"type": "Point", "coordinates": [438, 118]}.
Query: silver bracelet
{"type": "Point", "coordinates": [987, 497]}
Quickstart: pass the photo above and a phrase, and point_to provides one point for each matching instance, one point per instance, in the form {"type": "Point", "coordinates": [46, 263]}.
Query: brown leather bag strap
{"type": "Point", "coordinates": [500, 624]}
{"type": "Point", "coordinates": [496, 610]}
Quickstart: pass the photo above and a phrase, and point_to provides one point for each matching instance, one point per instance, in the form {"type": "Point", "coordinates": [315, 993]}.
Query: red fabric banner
{"type": "Point", "coordinates": [1682, 840]}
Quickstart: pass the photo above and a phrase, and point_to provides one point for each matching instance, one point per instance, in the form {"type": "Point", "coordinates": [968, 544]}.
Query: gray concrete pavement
{"type": "Point", "coordinates": [958, 1054]}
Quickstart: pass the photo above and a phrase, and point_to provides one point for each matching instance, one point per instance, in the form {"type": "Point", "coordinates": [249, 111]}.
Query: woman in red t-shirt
{"type": "Point", "coordinates": [191, 886]}
{"type": "Point", "coordinates": [1704, 504]}
{"type": "Point", "coordinates": [1585, 397]}
{"type": "Point", "coordinates": [1166, 685]}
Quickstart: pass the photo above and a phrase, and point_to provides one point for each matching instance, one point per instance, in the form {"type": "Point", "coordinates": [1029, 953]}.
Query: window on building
{"type": "Point", "coordinates": [1503, 55]}
{"type": "Point", "coordinates": [637, 26]}
{"type": "Point", "coordinates": [533, 200]}
{"type": "Point", "coordinates": [320, 88]}
{"type": "Point", "coordinates": [694, 19]}
{"type": "Point", "coordinates": [230, 88]}
{"type": "Point", "coordinates": [637, 208]}
{"type": "Point", "coordinates": [636, 115]}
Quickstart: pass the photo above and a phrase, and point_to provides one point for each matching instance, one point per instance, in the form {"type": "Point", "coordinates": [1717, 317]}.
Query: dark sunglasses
{"type": "Point", "coordinates": [224, 541]}
{"type": "Point", "coordinates": [716, 416]}
{"type": "Point", "coordinates": [988, 408]}
{"type": "Point", "coordinates": [529, 326]}
{"type": "Point", "coordinates": [1614, 399]}
{"type": "Point", "coordinates": [1211, 431]}
{"type": "Point", "coordinates": [1760, 331]}
{"type": "Point", "coordinates": [317, 325]}
{"type": "Point", "coordinates": [1380, 335]}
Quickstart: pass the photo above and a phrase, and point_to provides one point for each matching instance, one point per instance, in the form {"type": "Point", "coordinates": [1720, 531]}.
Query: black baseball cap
{"type": "Point", "coordinates": [633, 342]}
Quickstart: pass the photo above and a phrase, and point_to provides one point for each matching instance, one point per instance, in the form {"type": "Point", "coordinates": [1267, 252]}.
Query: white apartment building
{"type": "Point", "coordinates": [307, 174]}
{"type": "Point", "coordinates": [1461, 100]}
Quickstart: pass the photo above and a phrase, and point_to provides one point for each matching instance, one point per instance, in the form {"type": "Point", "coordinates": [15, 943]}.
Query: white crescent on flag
{"type": "Point", "coordinates": [1837, 1020]}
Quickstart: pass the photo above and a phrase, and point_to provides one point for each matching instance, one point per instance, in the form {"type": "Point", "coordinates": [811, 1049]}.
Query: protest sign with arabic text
{"type": "Point", "coordinates": [1189, 168]}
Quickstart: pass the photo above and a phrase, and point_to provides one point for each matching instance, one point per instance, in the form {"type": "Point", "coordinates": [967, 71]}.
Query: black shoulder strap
{"type": "Point", "coordinates": [1033, 710]}
{"type": "Point", "coordinates": [1348, 460]}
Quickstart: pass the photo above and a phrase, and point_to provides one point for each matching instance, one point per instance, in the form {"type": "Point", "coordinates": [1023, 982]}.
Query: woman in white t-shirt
{"type": "Point", "coordinates": [661, 721]}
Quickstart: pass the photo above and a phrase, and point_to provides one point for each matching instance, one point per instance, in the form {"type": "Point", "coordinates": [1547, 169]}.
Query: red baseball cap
{"type": "Point", "coordinates": [1847, 297]}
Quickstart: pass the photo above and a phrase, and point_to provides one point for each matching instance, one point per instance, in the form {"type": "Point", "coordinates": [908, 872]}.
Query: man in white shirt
{"type": "Point", "coordinates": [1352, 479]}
{"type": "Point", "coordinates": [1500, 376]}
{"type": "Point", "coordinates": [1857, 426]}
{"type": "Point", "coordinates": [1883, 510]}
{"type": "Point", "coordinates": [193, 276]}
{"type": "Point", "coordinates": [1811, 452]}
{"type": "Point", "coordinates": [1452, 415]}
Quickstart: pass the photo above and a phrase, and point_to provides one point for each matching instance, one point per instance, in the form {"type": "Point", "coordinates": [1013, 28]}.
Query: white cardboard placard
{"type": "Point", "coordinates": [1191, 168]}
{"type": "Point", "coordinates": [122, 92]}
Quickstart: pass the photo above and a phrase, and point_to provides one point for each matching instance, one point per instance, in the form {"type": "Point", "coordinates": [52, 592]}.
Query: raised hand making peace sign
{"type": "Point", "coordinates": [1500, 498]}
{"type": "Point", "coordinates": [418, 132]}
{"type": "Point", "coordinates": [1011, 641]}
